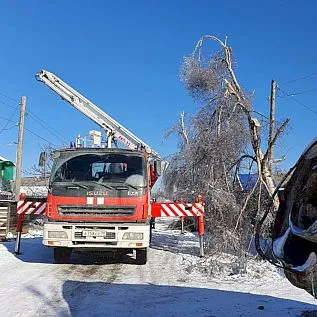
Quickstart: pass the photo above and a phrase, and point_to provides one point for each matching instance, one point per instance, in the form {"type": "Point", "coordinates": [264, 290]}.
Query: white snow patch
{"type": "Point", "coordinates": [310, 262]}
{"type": "Point", "coordinates": [170, 284]}
{"type": "Point", "coordinates": [34, 191]}
{"type": "Point", "coordinates": [278, 244]}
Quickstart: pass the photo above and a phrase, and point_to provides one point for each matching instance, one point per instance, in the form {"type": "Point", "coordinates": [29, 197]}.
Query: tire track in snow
{"type": "Point", "coordinates": [42, 289]}
{"type": "Point", "coordinates": [80, 281]}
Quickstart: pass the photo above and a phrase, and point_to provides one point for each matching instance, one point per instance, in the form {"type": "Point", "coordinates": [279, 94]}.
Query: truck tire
{"type": "Point", "coordinates": [141, 256]}
{"type": "Point", "coordinates": [62, 255]}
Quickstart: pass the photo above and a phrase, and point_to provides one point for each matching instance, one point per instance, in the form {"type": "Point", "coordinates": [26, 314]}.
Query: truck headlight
{"type": "Point", "coordinates": [57, 235]}
{"type": "Point", "coordinates": [132, 236]}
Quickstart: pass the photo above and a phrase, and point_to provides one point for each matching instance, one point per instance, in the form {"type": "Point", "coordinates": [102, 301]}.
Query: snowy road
{"type": "Point", "coordinates": [166, 286]}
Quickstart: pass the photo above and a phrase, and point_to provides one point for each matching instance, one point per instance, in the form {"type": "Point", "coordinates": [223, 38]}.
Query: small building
{"type": "Point", "coordinates": [8, 216]}
{"type": "Point", "coordinates": [7, 203]}
{"type": "Point", "coordinates": [6, 174]}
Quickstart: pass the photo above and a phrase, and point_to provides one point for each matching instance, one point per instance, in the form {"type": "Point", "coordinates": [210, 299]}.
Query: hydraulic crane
{"type": "Point", "coordinates": [89, 109]}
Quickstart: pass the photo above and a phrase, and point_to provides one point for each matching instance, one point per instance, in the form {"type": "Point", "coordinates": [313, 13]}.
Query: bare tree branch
{"type": "Point", "coordinates": [277, 134]}
{"type": "Point", "coordinates": [220, 136]}
{"type": "Point", "coordinates": [183, 129]}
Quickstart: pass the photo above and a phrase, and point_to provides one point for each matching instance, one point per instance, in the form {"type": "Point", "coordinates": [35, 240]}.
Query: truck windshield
{"type": "Point", "coordinates": [103, 168]}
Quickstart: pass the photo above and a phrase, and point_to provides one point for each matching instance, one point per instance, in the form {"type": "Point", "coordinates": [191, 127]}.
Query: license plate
{"type": "Point", "coordinates": [93, 233]}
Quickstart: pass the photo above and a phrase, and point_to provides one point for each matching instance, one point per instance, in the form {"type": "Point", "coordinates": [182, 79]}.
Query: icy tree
{"type": "Point", "coordinates": [213, 144]}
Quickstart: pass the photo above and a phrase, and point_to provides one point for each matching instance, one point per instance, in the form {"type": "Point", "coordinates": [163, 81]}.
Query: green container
{"type": "Point", "coordinates": [6, 174]}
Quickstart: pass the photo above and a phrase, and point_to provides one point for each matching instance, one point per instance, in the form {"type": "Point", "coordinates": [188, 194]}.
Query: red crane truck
{"type": "Point", "coordinates": [99, 198]}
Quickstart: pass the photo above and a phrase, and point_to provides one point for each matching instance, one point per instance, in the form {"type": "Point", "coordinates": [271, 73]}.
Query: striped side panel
{"type": "Point", "coordinates": [31, 207]}
{"type": "Point", "coordinates": [177, 210]}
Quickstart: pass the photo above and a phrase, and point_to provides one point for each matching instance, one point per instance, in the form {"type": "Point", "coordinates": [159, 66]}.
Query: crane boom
{"type": "Point", "coordinates": [89, 109]}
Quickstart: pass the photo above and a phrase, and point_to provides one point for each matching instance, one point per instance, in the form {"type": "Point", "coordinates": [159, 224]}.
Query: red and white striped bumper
{"type": "Point", "coordinates": [177, 210]}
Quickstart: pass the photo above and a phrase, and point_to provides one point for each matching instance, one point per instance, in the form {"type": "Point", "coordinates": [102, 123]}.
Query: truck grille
{"type": "Point", "coordinates": [96, 211]}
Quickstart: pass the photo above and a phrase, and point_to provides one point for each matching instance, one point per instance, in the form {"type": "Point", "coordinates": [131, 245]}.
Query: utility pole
{"type": "Point", "coordinates": [272, 126]}
{"type": "Point", "coordinates": [19, 150]}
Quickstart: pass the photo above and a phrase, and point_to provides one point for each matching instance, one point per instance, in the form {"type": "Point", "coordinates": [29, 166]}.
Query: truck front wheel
{"type": "Point", "coordinates": [62, 255]}
{"type": "Point", "coordinates": [141, 256]}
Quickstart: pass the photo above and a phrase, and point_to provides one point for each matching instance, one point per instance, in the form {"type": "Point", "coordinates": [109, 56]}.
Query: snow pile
{"type": "Point", "coordinates": [35, 229]}
{"type": "Point", "coordinates": [35, 191]}
{"type": "Point", "coordinates": [172, 240]}
{"type": "Point", "coordinates": [223, 266]}
{"type": "Point", "coordinates": [33, 233]}
{"type": "Point", "coordinates": [6, 195]}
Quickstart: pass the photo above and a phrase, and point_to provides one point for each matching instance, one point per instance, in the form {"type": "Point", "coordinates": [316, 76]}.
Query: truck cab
{"type": "Point", "coordinates": [98, 199]}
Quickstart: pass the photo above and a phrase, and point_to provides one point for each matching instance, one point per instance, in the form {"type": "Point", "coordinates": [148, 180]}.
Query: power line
{"type": "Point", "coordinates": [40, 137]}
{"type": "Point", "coordinates": [261, 114]}
{"type": "Point", "coordinates": [6, 104]}
{"type": "Point", "coordinates": [305, 106]}
{"type": "Point", "coordinates": [8, 97]}
{"type": "Point", "coordinates": [300, 78]}
{"type": "Point", "coordinates": [41, 122]}
{"type": "Point", "coordinates": [13, 126]}
{"type": "Point", "coordinates": [35, 134]}
{"type": "Point", "coordinates": [298, 101]}
{"type": "Point", "coordinates": [301, 92]}
{"type": "Point", "coordinates": [47, 127]}
{"type": "Point", "coordinates": [3, 118]}
{"type": "Point", "coordinates": [36, 118]}
{"type": "Point", "coordinates": [8, 120]}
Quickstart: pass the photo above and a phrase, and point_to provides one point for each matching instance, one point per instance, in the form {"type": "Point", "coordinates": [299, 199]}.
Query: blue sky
{"type": "Point", "coordinates": [125, 56]}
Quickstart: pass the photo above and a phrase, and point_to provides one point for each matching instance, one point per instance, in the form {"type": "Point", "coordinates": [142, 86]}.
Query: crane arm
{"type": "Point", "coordinates": [90, 110]}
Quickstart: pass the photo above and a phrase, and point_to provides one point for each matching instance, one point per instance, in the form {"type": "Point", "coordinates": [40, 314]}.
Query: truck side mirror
{"type": "Point", "coordinates": [164, 165]}
{"type": "Point", "coordinates": [42, 159]}
{"type": "Point", "coordinates": [159, 167]}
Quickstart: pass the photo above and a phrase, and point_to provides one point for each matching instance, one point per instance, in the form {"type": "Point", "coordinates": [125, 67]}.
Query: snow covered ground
{"type": "Point", "coordinates": [168, 285]}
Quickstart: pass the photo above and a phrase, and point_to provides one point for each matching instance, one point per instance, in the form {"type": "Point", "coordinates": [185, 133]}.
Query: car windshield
{"type": "Point", "coordinates": [112, 169]}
